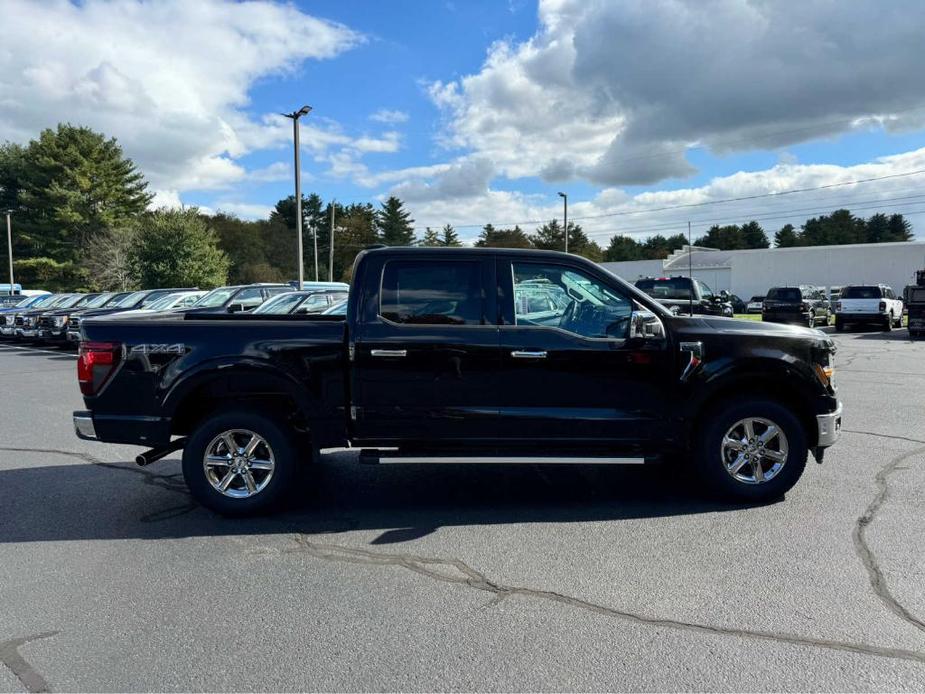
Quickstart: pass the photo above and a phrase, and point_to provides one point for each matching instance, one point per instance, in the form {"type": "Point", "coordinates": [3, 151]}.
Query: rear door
{"type": "Point", "coordinates": [426, 351]}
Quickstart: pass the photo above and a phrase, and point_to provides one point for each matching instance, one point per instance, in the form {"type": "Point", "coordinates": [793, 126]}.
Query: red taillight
{"type": "Point", "coordinates": [96, 362]}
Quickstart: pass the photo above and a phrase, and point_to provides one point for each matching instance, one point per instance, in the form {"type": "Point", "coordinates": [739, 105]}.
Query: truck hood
{"type": "Point", "coordinates": [735, 326]}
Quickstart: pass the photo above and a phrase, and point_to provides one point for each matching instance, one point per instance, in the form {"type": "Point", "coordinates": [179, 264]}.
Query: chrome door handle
{"type": "Point", "coordinates": [388, 352]}
{"type": "Point", "coordinates": [525, 354]}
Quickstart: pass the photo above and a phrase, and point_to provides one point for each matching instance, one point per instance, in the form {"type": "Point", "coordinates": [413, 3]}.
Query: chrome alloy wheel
{"type": "Point", "coordinates": [239, 463]}
{"type": "Point", "coordinates": [754, 450]}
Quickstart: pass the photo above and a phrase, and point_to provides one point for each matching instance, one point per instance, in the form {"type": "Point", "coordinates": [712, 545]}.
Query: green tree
{"type": "Point", "coordinates": [503, 238]}
{"type": "Point", "coordinates": [449, 237]}
{"type": "Point", "coordinates": [431, 238]}
{"type": "Point", "coordinates": [658, 247]}
{"type": "Point", "coordinates": [753, 235]}
{"type": "Point", "coordinates": [786, 237]}
{"type": "Point", "coordinates": [176, 248]}
{"type": "Point", "coordinates": [74, 183]}
{"type": "Point", "coordinates": [396, 228]}
{"type": "Point", "coordinates": [622, 248]}
{"type": "Point", "coordinates": [355, 230]}
{"type": "Point", "coordinates": [550, 236]}
{"type": "Point", "coordinates": [725, 238]}
{"type": "Point", "coordinates": [900, 228]}
{"type": "Point", "coordinates": [50, 274]}
{"type": "Point", "coordinates": [12, 173]}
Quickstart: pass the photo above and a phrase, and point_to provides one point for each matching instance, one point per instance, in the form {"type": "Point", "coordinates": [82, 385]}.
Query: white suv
{"type": "Point", "coordinates": [868, 303]}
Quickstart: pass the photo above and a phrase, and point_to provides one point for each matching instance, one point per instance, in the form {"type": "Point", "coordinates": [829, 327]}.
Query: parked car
{"type": "Point", "coordinates": [736, 302]}
{"type": "Point", "coordinates": [916, 310]}
{"type": "Point", "coordinates": [169, 302]}
{"type": "Point", "coordinates": [433, 356]}
{"type": "Point", "coordinates": [128, 302]}
{"type": "Point", "coordinates": [51, 325]}
{"type": "Point", "coordinates": [8, 314]}
{"type": "Point", "coordinates": [319, 286]}
{"type": "Point", "coordinates": [296, 302]}
{"type": "Point", "coordinates": [234, 299]}
{"type": "Point", "coordinates": [804, 304]}
{"type": "Point", "coordinates": [755, 304]}
{"type": "Point", "coordinates": [338, 309]}
{"type": "Point", "coordinates": [107, 300]}
{"type": "Point", "coordinates": [683, 295]}
{"type": "Point", "coordinates": [25, 322]}
{"type": "Point", "coordinates": [868, 304]}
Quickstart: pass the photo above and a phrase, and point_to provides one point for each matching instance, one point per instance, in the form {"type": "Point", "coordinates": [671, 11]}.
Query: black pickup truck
{"type": "Point", "coordinates": [463, 356]}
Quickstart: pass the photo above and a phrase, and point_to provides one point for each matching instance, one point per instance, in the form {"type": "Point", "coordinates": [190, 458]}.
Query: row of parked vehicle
{"type": "Point", "coordinates": [55, 318]}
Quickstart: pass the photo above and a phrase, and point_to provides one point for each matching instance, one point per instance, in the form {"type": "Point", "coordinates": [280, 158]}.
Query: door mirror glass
{"type": "Point", "coordinates": [645, 325]}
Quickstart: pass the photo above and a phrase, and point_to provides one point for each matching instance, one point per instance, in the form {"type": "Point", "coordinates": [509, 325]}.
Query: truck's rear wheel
{"type": "Point", "coordinates": [751, 449]}
{"type": "Point", "coordinates": [240, 462]}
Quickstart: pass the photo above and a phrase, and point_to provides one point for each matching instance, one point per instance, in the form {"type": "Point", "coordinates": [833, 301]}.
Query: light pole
{"type": "Point", "coordinates": [565, 217]}
{"type": "Point", "coordinates": [9, 245]}
{"type": "Point", "coordinates": [331, 245]}
{"type": "Point", "coordinates": [295, 115]}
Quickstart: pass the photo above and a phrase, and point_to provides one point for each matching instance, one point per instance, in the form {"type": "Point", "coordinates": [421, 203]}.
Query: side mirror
{"type": "Point", "coordinates": [235, 307]}
{"type": "Point", "coordinates": [645, 325]}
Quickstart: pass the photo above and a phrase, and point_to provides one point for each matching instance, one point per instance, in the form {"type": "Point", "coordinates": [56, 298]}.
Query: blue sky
{"type": "Point", "coordinates": [490, 108]}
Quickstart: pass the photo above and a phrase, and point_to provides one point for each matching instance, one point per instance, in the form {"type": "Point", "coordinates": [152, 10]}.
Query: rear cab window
{"type": "Point", "coordinates": [666, 287]}
{"type": "Point", "coordinates": [861, 292]}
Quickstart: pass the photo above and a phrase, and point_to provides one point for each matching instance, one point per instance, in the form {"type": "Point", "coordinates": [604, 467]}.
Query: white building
{"type": "Point", "coordinates": [753, 272]}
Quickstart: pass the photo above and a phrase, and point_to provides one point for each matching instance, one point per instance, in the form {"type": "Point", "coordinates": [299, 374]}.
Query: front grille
{"type": "Point", "coordinates": [19, 321]}
{"type": "Point", "coordinates": [44, 322]}
{"type": "Point", "coordinates": [74, 322]}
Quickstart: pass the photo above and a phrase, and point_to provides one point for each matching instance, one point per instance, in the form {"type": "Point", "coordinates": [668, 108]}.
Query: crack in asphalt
{"type": "Point", "coordinates": [866, 554]}
{"type": "Point", "coordinates": [457, 572]}
{"type": "Point", "coordinates": [10, 656]}
{"type": "Point", "coordinates": [883, 436]}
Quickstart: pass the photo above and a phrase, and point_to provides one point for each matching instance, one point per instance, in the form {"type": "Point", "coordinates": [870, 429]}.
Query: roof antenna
{"type": "Point", "coordinates": [690, 266]}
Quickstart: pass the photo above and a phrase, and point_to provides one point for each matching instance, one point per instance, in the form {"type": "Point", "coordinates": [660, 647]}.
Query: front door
{"type": "Point", "coordinates": [426, 355]}
{"type": "Point", "coordinates": [570, 373]}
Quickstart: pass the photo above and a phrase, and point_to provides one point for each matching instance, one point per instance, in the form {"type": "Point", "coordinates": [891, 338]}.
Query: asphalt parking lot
{"type": "Point", "coordinates": [464, 577]}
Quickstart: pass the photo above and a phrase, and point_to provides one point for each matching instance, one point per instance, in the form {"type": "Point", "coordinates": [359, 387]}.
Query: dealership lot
{"type": "Point", "coordinates": [456, 577]}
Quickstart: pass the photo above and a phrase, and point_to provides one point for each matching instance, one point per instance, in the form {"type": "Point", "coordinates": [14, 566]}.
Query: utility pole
{"type": "Point", "coordinates": [315, 242]}
{"type": "Point", "coordinates": [690, 266]}
{"type": "Point", "coordinates": [9, 245]}
{"type": "Point", "coordinates": [565, 217]}
{"type": "Point", "coordinates": [295, 115]}
{"type": "Point", "coordinates": [331, 245]}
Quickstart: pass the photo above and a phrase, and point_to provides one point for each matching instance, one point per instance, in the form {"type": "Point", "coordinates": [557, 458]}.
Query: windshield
{"type": "Point", "coordinates": [217, 297]}
{"type": "Point", "coordinates": [130, 300]}
{"type": "Point", "coordinates": [338, 309]}
{"type": "Point", "coordinates": [163, 303]}
{"type": "Point", "coordinates": [666, 288]}
{"type": "Point", "coordinates": [785, 294]}
{"type": "Point", "coordinates": [71, 301]}
{"type": "Point", "coordinates": [279, 305]}
{"type": "Point", "coordinates": [97, 301]}
{"type": "Point", "coordinates": [917, 295]}
{"type": "Point", "coordinates": [861, 293]}
{"type": "Point", "coordinates": [757, 299]}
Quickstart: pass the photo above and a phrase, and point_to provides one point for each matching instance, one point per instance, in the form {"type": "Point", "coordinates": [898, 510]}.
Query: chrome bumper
{"type": "Point", "coordinates": [6, 330]}
{"type": "Point", "coordinates": [829, 426]}
{"type": "Point", "coordinates": [83, 426]}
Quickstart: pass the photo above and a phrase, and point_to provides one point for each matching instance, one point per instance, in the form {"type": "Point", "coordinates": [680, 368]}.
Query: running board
{"type": "Point", "coordinates": [372, 458]}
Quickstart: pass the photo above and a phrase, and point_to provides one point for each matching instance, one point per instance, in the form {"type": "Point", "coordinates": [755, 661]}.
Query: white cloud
{"type": "Point", "coordinates": [277, 171]}
{"type": "Point", "coordinates": [613, 211]}
{"type": "Point", "coordinates": [384, 115]}
{"type": "Point", "coordinates": [170, 80]}
{"type": "Point", "coordinates": [615, 92]}
{"type": "Point", "coordinates": [244, 210]}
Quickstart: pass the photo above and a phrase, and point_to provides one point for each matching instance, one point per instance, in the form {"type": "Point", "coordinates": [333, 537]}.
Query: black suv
{"type": "Point", "coordinates": [804, 305]}
{"type": "Point", "coordinates": [682, 295]}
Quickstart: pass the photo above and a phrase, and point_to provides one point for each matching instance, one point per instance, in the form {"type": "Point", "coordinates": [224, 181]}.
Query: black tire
{"type": "Point", "coordinates": [812, 320]}
{"type": "Point", "coordinates": [839, 326]}
{"type": "Point", "coordinates": [888, 323]}
{"type": "Point", "coordinates": [277, 437]}
{"type": "Point", "coordinates": [711, 468]}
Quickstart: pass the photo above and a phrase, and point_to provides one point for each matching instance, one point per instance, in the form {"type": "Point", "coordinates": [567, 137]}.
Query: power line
{"type": "Point", "coordinates": [741, 198]}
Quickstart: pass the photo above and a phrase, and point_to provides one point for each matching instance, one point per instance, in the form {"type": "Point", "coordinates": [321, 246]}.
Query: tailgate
{"type": "Point", "coordinates": [860, 306]}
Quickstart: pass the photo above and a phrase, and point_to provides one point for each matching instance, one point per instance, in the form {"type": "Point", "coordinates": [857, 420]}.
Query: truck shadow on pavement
{"type": "Point", "coordinates": [97, 500]}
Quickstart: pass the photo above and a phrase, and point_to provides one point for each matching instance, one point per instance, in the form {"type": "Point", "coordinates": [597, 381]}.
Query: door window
{"type": "Point", "coordinates": [249, 298]}
{"type": "Point", "coordinates": [557, 296]}
{"type": "Point", "coordinates": [705, 291]}
{"type": "Point", "coordinates": [432, 293]}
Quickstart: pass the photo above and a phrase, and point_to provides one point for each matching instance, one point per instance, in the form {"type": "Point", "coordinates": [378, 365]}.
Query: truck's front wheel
{"type": "Point", "coordinates": [751, 449]}
{"type": "Point", "coordinates": [240, 462]}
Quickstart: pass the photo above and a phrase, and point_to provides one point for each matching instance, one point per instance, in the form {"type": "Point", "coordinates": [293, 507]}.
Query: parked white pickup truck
{"type": "Point", "coordinates": [868, 303]}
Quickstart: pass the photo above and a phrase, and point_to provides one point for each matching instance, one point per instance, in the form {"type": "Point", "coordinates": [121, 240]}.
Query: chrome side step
{"type": "Point", "coordinates": [372, 458]}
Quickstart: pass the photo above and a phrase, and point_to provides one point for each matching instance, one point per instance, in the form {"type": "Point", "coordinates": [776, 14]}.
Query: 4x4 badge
{"type": "Point", "coordinates": [177, 348]}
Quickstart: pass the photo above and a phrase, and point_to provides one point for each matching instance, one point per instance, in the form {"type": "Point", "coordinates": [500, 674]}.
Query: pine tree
{"type": "Point", "coordinates": [75, 182]}
{"type": "Point", "coordinates": [900, 228]}
{"type": "Point", "coordinates": [431, 238]}
{"type": "Point", "coordinates": [786, 237]}
{"type": "Point", "coordinates": [622, 248]}
{"type": "Point", "coordinates": [503, 238]}
{"type": "Point", "coordinates": [395, 224]}
{"type": "Point", "coordinates": [753, 235]}
{"type": "Point", "coordinates": [449, 237]}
